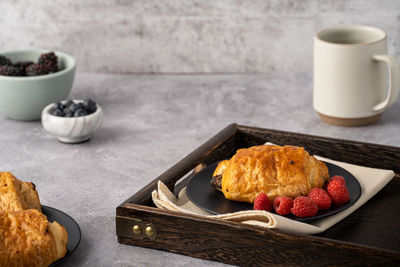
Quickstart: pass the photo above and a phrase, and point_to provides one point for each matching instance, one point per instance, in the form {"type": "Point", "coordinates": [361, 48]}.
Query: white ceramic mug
{"type": "Point", "coordinates": [354, 79]}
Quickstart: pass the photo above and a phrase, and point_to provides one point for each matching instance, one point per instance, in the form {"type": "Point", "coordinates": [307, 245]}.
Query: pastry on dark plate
{"type": "Point", "coordinates": [274, 170]}
{"type": "Point", "coordinates": [27, 238]}
{"type": "Point", "coordinates": [17, 195]}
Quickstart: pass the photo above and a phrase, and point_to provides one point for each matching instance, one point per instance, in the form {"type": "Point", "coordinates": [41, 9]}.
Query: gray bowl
{"type": "Point", "coordinates": [23, 98]}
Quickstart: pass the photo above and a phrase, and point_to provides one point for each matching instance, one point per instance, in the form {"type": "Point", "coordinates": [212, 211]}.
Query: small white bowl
{"type": "Point", "coordinates": [71, 129]}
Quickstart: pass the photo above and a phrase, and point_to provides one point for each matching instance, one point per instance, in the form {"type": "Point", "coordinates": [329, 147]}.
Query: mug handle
{"type": "Point", "coordinates": [394, 81]}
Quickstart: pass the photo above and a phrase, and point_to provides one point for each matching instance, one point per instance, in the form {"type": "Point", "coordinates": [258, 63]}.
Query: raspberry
{"type": "Point", "coordinates": [338, 192]}
{"type": "Point", "coordinates": [304, 207]}
{"type": "Point", "coordinates": [335, 178]}
{"type": "Point", "coordinates": [262, 202]}
{"type": "Point", "coordinates": [321, 198]}
{"type": "Point", "coordinates": [339, 178]}
{"type": "Point", "coordinates": [283, 205]}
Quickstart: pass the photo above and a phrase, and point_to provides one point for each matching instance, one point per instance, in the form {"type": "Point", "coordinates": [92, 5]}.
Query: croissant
{"type": "Point", "coordinates": [28, 239]}
{"type": "Point", "coordinates": [17, 195]}
{"type": "Point", "coordinates": [271, 169]}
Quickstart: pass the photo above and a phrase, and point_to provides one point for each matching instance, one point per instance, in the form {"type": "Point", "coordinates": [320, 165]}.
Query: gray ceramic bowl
{"type": "Point", "coordinates": [71, 129]}
{"type": "Point", "coordinates": [23, 98]}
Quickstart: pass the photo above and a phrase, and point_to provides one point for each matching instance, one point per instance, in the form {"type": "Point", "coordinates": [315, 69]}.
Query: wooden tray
{"type": "Point", "coordinates": [369, 236]}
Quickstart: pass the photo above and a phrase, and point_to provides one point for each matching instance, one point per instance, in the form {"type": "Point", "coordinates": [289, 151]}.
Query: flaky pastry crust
{"type": "Point", "coordinates": [17, 195]}
{"type": "Point", "coordinates": [27, 238]}
{"type": "Point", "coordinates": [271, 169]}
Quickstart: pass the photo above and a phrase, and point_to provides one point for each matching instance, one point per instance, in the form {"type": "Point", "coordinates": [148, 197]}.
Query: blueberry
{"type": "Point", "coordinates": [80, 105]}
{"type": "Point", "coordinates": [73, 107]}
{"type": "Point", "coordinates": [89, 105]}
{"type": "Point", "coordinates": [69, 114]}
{"type": "Point", "coordinates": [80, 112]}
{"type": "Point", "coordinates": [58, 112]}
{"type": "Point", "coordinates": [68, 102]}
{"type": "Point", "coordinates": [59, 106]}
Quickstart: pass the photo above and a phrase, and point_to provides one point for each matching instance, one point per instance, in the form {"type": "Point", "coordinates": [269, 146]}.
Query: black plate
{"type": "Point", "coordinates": [74, 232]}
{"type": "Point", "coordinates": [203, 195]}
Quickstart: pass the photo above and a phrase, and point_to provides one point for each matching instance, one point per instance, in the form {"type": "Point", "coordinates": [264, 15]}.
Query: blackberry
{"type": "Point", "coordinates": [50, 67]}
{"type": "Point", "coordinates": [22, 66]}
{"type": "Point", "coordinates": [35, 69]}
{"type": "Point", "coordinates": [49, 61]}
{"type": "Point", "coordinates": [48, 57]}
{"type": "Point", "coordinates": [4, 61]}
{"type": "Point", "coordinates": [9, 70]}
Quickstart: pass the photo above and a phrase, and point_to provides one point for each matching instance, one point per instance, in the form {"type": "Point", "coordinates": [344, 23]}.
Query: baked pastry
{"type": "Point", "coordinates": [27, 238]}
{"type": "Point", "coordinates": [271, 169]}
{"type": "Point", "coordinates": [17, 195]}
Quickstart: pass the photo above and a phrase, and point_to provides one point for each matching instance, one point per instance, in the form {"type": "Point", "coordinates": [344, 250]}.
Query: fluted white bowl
{"type": "Point", "coordinates": [71, 129]}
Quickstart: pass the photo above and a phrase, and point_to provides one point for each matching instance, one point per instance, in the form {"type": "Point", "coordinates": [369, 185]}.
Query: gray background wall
{"type": "Point", "coordinates": [167, 36]}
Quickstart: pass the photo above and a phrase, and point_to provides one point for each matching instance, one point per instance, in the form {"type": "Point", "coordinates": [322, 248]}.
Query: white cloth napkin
{"type": "Point", "coordinates": [371, 181]}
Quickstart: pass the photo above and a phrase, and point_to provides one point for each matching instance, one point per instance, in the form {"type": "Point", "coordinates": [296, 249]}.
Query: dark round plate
{"type": "Point", "coordinates": [203, 195]}
{"type": "Point", "coordinates": [74, 232]}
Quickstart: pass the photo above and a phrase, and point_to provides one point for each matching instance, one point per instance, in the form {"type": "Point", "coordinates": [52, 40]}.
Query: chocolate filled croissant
{"type": "Point", "coordinates": [271, 169]}
{"type": "Point", "coordinates": [27, 238]}
{"type": "Point", "coordinates": [17, 195]}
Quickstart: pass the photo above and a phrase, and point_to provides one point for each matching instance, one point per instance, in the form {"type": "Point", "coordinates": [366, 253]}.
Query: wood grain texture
{"type": "Point", "coordinates": [243, 245]}
{"type": "Point", "coordinates": [367, 237]}
{"type": "Point", "coordinates": [376, 223]}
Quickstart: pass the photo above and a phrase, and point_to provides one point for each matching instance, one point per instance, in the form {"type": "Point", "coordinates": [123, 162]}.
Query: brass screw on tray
{"type": "Point", "coordinates": [149, 231]}
{"type": "Point", "coordinates": [137, 230]}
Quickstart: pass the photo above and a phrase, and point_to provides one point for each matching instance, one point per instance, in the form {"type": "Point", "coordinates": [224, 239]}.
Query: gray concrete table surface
{"type": "Point", "coordinates": [150, 123]}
